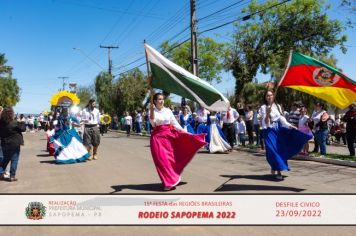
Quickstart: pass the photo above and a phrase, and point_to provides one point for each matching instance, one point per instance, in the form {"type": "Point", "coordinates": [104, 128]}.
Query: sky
{"type": "Point", "coordinates": [38, 37]}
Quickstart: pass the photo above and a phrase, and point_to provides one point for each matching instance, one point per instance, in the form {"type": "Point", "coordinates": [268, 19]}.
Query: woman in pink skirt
{"type": "Point", "coordinates": [171, 147]}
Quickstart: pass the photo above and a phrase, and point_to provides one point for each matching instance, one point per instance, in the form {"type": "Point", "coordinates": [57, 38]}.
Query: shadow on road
{"type": "Point", "coordinates": [156, 187]}
{"type": "Point", "coordinates": [250, 187]}
{"type": "Point", "coordinates": [204, 151]}
{"type": "Point", "coordinates": [259, 154]}
{"type": "Point", "coordinates": [49, 162]}
{"type": "Point", "coordinates": [254, 177]}
{"type": "Point", "coordinates": [43, 155]}
{"type": "Point", "coordinates": [110, 136]}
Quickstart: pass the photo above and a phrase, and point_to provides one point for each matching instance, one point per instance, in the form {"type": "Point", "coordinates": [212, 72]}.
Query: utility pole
{"type": "Point", "coordinates": [63, 78]}
{"type": "Point", "coordinates": [193, 38]}
{"type": "Point", "coordinates": [193, 43]}
{"type": "Point", "coordinates": [109, 59]}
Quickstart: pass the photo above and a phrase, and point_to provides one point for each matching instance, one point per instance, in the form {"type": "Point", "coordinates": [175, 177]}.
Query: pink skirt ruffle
{"type": "Point", "coordinates": [172, 150]}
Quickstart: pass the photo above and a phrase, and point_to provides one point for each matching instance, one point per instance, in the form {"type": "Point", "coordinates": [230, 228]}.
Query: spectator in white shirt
{"type": "Point", "coordinates": [249, 123]}
{"type": "Point", "coordinates": [128, 123]}
{"type": "Point", "coordinates": [229, 117]}
{"type": "Point", "coordinates": [242, 130]}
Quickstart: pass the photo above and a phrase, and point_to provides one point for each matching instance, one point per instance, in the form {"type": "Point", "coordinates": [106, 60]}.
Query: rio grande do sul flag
{"type": "Point", "coordinates": [174, 79]}
{"type": "Point", "coordinates": [309, 75]}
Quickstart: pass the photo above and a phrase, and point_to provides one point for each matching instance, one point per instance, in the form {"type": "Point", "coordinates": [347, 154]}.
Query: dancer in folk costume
{"type": "Point", "coordinates": [215, 136]}
{"type": "Point", "coordinates": [201, 120]}
{"type": "Point", "coordinates": [67, 142]}
{"type": "Point", "coordinates": [171, 147]}
{"type": "Point", "coordinates": [282, 139]}
{"type": "Point", "coordinates": [186, 120]}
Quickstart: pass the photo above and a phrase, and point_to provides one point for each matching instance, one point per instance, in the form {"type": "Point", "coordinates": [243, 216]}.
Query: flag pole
{"type": "Point", "coordinates": [149, 79]}
{"type": "Point", "coordinates": [149, 75]}
{"type": "Point", "coordinates": [286, 66]}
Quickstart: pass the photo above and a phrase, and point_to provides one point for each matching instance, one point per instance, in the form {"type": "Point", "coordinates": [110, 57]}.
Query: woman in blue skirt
{"type": "Point", "coordinates": [186, 120]}
{"type": "Point", "coordinates": [282, 139]}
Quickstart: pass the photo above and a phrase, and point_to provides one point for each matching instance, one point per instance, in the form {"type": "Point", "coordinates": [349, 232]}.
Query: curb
{"type": "Point", "coordinates": [305, 158]}
{"type": "Point", "coordinates": [327, 161]}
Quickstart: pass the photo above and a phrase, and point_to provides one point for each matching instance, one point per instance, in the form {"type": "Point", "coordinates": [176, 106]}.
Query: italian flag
{"type": "Point", "coordinates": [316, 78]}
{"type": "Point", "coordinates": [174, 79]}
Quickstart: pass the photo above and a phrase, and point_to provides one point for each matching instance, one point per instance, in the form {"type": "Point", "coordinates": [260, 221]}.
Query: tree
{"type": "Point", "coordinates": [253, 93]}
{"type": "Point", "coordinates": [129, 91]}
{"type": "Point", "coordinates": [104, 92]}
{"type": "Point", "coordinates": [263, 43]}
{"type": "Point", "coordinates": [85, 93]}
{"type": "Point", "coordinates": [350, 7]}
{"type": "Point", "coordinates": [210, 53]}
{"type": "Point", "coordinates": [9, 89]}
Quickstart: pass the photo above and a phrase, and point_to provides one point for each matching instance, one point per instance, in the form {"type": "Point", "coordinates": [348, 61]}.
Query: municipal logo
{"type": "Point", "coordinates": [35, 211]}
{"type": "Point", "coordinates": [325, 77]}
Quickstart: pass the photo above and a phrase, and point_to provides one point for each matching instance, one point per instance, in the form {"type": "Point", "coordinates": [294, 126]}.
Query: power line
{"type": "Point", "coordinates": [164, 28]}
{"type": "Point", "coordinates": [176, 17]}
{"type": "Point", "coordinates": [210, 29]}
{"type": "Point", "coordinates": [116, 23]}
{"type": "Point", "coordinates": [186, 28]}
{"type": "Point", "coordinates": [112, 10]}
{"type": "Point", "coordinates": [175, 46]}
{"type": "Point", "coordinates": [136, 20]}
{"type": "Point", "coordinates": [205, 4]}
{"type": "Point", "coordinates": [247, 17]}
{"type": "Point", "coordinates": [221, 10]}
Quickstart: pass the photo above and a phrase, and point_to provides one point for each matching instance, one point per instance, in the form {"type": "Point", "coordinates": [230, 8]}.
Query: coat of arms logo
{"type": "Point", "coordinates": [325, 77]}
{"type": "Point", "coordinates": [35, 211]}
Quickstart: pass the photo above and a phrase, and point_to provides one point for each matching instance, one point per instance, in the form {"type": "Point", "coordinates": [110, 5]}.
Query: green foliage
{"type": "Point", "coordinates": [263, 42]}
{"type": "Point", "coordinates": [129, 91]}
{"type": "Point", "coordinates": [210, 53]}
{"type": "Point", "coordinates": [125, 94]}
{"type": "Point", "coordinates": [168, 102]}
{"type": "Point", "coordinates": [350, 9]}
{"type": "Point", "coordinates": [85, 93]}
{"type": "Point", "coordinates": [9, 89]}
{"type": "Point", "coordinates": [252, 93]}
{"type": "Point", "coordinates": [104, 92]}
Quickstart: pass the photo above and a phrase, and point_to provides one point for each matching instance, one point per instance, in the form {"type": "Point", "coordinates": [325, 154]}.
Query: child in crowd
{"type": "Point", "coordinates": [241, 127]}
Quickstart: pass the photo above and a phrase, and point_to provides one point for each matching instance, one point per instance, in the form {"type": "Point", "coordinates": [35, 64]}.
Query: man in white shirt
{"type": "Point", "coordinates": [91, 136]}
{"type": "Point", "coordinates": [229, 117]}
{"type": "Point", "coordinates": [138, 122]}
{"type": "Point", "coordinates": [128, 123]}
{"type": "Point", "coordinates": [41, 121]}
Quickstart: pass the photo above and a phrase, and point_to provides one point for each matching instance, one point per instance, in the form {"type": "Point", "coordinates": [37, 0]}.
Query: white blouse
{"type": "Point", "coordinates": [165, 117]}
{"type": "Point", "coordinates": [91, 117]}
{"type": "Point", "coordinates": [202, 115]}
{"type": "Point", "coordinates": [275, 117]}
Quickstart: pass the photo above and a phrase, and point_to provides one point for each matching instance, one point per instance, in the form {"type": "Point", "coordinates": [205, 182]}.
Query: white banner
{"type": "Point", "coordinates": [177, 209]}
